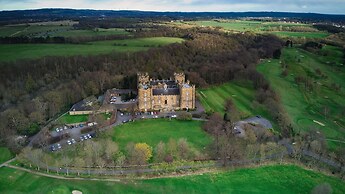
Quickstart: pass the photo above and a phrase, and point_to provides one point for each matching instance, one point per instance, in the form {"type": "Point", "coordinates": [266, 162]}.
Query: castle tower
{"type": "Point", "coordinates": [179, 78]}
{"type": "Point", "coordinates": [143, 78]}
{"type": "Point", "coordinates": [187, 96]}
{"type": "Point", "coordinates": [144, 92]}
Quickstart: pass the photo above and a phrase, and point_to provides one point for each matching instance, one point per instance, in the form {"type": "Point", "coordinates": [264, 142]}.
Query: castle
{"type": "Point", "coordinates": [165, 95]}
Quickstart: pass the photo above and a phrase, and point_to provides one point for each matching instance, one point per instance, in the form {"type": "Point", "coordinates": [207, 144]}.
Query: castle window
{"type": "Point", "coordinates": [166, 101]}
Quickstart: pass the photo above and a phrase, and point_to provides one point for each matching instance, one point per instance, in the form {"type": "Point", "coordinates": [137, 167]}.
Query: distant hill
{"type": "Point", "coordinates": [58, 14]}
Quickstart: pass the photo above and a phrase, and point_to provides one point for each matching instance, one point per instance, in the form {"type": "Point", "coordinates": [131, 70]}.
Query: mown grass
{"type": "Point", "coordinates": [267, 179]}
{"type": "Point", "coordinates": [70, 119]}
{"type": "Point", "coordinates": [5, 154]}
{"type": "Point", "coordinates": [152, 131]}
{"type": "Point", "coordinates": [12, 52]}
{"type": "Point", "coordinates": [305, 106]}
{"type": "Point", "coordinates": [241, 93]}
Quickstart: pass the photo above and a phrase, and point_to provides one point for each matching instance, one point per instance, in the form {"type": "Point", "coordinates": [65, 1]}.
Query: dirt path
{"type": "Point", "coordinates": [59, 177]}
{"type": "Point", "coordinates": [7, 162]}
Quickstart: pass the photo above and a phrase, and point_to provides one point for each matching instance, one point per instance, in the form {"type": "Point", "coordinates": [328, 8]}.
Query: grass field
{"type": "Point", "coordinates": [153, 131]}
{"type": "Point", "coordinates": [32, 30]}
{"type": "Point", "coordinates": [306, 106]}
{"type": "Point", "coordinates": [242, 94]}
{"type": "Point", "coordinates": [11, 52]}
{"type": "Point", "coordinates": [302, 34]}
{"type": "Point", "coordinates": [69, 119]}
{"type": "Point", "coordinates": [267, 179]}
{"type": "Point", "coordinates": [260, 27]}
{"type": "Point", "coordinates": [97, 32]}
{"type": "Point", "coordinates": [5, 154]}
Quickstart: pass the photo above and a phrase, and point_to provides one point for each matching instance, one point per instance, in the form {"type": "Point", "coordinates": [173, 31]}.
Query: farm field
{"type": "Point", "coordinates": [97, 32]}
{"type": "Point", "coordinates": [267, 179]}
{"type": "Point", "coordinates": [263, 27]}
{"type": "Point", "coordinates": [5, 154]}
{"type": "Point", "coordinates": [12, 52]}
{"type": "Point", "coordinates": [32, 30]}
{"type": "Point", "coordinates": [302, 34]}
{"type": "Point", "coordinates": [242, 94]}
{"type": "Point", "coordinates": [152, 131]}
{"type": "Point", "coordinates": [311, 108]}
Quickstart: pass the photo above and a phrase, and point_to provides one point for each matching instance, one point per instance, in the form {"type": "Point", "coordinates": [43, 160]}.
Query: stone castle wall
{"type": "Point", "coordinates": [149, 102]}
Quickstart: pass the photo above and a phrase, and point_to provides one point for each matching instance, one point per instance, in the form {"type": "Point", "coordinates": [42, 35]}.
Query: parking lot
{"type": "Point", "coordinates": [73, 133]}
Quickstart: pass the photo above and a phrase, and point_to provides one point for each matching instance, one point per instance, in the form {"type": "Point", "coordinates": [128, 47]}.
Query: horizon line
{"type": "Point", "coordinates": [295, 12]}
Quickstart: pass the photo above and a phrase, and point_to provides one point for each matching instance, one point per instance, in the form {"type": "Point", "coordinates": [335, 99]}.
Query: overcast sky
{"type": "Point", "coordinates": [316, 6]}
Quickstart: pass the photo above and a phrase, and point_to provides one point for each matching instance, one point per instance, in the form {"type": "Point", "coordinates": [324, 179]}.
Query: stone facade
{"type": "Point", "coordinates": [165, 95]}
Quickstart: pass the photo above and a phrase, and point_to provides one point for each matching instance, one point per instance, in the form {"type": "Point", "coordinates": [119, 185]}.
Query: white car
{"type": "Point", "coordinates": [69, 142]}
{"type": "Point", "coordinates": [57, 130]}
{"type": "Point", "coordinates": [73, 141]}
{"type": "Point", "coordinates": [173, 116]}
{"type": "Point", "coordinates": [58, 146]}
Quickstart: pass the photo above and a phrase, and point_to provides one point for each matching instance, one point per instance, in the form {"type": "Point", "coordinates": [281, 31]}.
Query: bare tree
{"type": "Point", "coordinates": [160, 152]}
{"type": "Point", "coordinates": [66, 161]}
{"type": "Point", "coordinates": [183, 148]}
{"type": "Point", "coordinates": [37, 157]}
{"type": "Point", "coordinates": [79, 164]}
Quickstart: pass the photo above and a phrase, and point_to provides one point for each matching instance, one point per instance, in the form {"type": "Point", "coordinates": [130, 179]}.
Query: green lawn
{"type": "Point", "coordinates": [242, 94]}
{"type": "Point", "coordinates": [11, 52]}
{"type": "Point", "coordinates": [268, 179]}
{"type": "Point", "coordinates": [69, 119]}
{"type": "Point", "coordinates": [5, 154]}
{"type": "Point", "coordinates": [304, 106]}
{"type": "Point", "coordinates": [152, 131]}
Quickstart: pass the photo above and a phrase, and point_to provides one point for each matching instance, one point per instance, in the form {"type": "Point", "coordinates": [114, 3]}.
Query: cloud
{"type": "Point", "coordinates": [319, 6]}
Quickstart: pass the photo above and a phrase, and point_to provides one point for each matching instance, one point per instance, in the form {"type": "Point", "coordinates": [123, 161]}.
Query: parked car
{"type": "Point", "coordinates": [58, 146]}
{"type": "Point", "coordinates": [73, 141]}
{"type": "Point", "coordinates": [81, 138]}
{"type": "Point", "coordinates": [52, 148]}
{"type": "Point", "coordinates": [173, 116]}
{"type": "Point", "coordinates": [69, 142]}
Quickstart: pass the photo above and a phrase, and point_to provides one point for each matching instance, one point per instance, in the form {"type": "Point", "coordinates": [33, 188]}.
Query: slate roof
{"type": "Point", "coordinates": [168, 91]}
